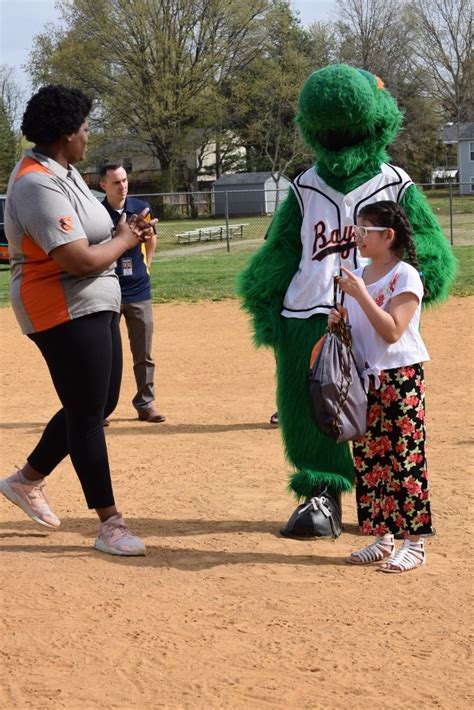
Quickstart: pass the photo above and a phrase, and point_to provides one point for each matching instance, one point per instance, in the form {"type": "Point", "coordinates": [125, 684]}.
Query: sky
{"type": "Point", "coordinates": [20, 20]}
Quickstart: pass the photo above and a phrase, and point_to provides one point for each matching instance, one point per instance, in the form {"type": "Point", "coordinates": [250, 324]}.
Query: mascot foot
{"type": "Point", "coordinates": [318, 516]}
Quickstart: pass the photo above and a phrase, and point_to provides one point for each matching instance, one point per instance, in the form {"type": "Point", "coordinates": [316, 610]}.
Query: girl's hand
{"type": "Point", "coordinates": [335, 315]}
{"type": "Point", "coordinates": [350, 284]}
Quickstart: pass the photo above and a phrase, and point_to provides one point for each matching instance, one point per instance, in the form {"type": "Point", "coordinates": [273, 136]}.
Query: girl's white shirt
{"type": "Point", "coordinates": [372, 352]}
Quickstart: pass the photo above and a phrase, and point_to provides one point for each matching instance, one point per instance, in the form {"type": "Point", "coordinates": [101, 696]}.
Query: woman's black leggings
{"type": "Point", "coordinates": [84, 357]}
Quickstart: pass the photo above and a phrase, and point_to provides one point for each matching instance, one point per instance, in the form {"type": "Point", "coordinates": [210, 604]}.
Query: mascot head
{"type": "Point", "coordinates": [347, 118]}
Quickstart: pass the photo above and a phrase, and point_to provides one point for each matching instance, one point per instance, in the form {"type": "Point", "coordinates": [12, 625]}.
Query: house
{"type": "Point", "coordinates": [462, 135]}
{"type": "Point", "coordinates": [144, 169]}
{"type": "Point", "coordinates": [241, 194]}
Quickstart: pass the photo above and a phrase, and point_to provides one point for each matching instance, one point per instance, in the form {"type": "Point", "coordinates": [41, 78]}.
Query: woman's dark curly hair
{"type": "Point", "coordinates": [54, 111]}
{"type": "Point", "coordinates": [389, 214]}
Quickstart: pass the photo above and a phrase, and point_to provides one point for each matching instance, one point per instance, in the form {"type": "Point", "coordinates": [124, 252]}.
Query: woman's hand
{"type": "Point", "coordinates": [352, 285]}
{"type": "Point", "coordinates": [137, 230]}
{"type": "Point", "coordinates": [143, 225]}
{"type": "Point", "coordinates": [335, 315]}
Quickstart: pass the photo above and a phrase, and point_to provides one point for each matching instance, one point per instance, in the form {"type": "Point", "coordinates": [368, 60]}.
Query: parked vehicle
{"type": "Point", "coordinates": [4, 258]}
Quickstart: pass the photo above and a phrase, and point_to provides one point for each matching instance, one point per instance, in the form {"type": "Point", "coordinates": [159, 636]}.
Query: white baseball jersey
{"type": "Point", "coordinates": [327, 235]}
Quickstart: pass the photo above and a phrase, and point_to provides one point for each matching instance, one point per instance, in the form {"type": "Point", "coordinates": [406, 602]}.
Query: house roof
{"type": "Point", "coordinates": [244, 178]}
{"type": "Point", "coordinates": [457, 132]}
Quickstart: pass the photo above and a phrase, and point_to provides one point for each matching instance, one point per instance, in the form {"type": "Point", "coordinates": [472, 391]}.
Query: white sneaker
{"type": "Point", "coordinates": [115, 538]}
{"type": "Point", "coordinates": [29, 496]}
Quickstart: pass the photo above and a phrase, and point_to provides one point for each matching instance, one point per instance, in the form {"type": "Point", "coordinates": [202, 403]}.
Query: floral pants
{"type": "Point", "coordinates": [390, 466]}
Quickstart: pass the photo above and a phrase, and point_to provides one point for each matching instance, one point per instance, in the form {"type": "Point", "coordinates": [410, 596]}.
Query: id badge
{"type": "Point", "coordinates": [127, 269]}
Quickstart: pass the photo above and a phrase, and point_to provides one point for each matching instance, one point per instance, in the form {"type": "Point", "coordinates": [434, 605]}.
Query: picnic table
{"type": "Point", "coordinates": [204, 234]}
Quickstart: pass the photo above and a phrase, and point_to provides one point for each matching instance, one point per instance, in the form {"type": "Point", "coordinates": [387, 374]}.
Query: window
{"type": "Point", "coordinates": [472, 184]}
{"type": "Point", "coordinates": [471, 150]}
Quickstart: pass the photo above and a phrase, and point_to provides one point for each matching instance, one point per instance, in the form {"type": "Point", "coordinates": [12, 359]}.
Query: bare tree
{"type": "Point", "coordinates": [444, 49]}
{"type": "Point", "coordinates": [155, 66]}
{"type": "Point", "coordinates": [11, 95]}
{"type": "Point", "coordinates": [373, 35]}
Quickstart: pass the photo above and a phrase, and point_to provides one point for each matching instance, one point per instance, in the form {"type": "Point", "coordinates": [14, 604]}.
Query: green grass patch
{"type": "Point", "coordinates": [464, 285]}
{"type": "Point", "coordinates": [200, 277]}
{"type": "Point", "coordinates": [212, 276]}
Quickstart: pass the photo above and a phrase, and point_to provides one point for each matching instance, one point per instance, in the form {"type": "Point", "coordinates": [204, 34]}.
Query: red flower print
{"type": "Point", "coordinates": [366, 528]}
{"type": "Point", "coordinates": [379, 447]}
{"type": "Point", "coordinates": [408, 506]}
{"type": "Point", "coordinates": [393, 282]}
{"type": "Point", "coordinates": [422, 519]}
{"type": "Point", "coordinates": [407, 372]}
{"type": "Point", "coordinates": [425, 474]}
{"type": "Point", "coordinates": [381, 529]}
{"type": "Point", "coordinates": [424, 495]}
{"type": "Point", "coordinates": [412, 486]}
{"type": "Point", "coordinates": [379, 299]}
{"type": "Point", "coordinates": [401, 447]}
{"type": "Point", "coordinates": [417, 435]}
{"type": "Point", "coordinates": [420, 413]}
{"type": "Point", "coordinates": [376, 508]}
{"type": "Point", "coordinates": [415, 458]}
{"type": "Point", "coordinates": [388, 394]}
{"type": "Point", "coordinates": [372, 477]}
{"type": "Point", "coordinates": [399, 521]}
{"type": "Point", "coordinates": [365, 500]}
{"type": "Point", "coordinates": [389, 505]}
{"type": "Point", "coordinates": [395, 468]}
{"type": "Point", "coordinates": [411, 401]}
{"type": "Point", "coordinates": [373, 414]}
{"type": "Point", "coordinates": [405, 425]}
{"type": "Point", "coordinates": [422, 387]}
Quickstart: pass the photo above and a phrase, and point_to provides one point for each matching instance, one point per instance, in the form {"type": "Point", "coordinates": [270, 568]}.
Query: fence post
{"type": "Point", "coordinates": [451, 232]}
{"type": "Point", "coordinates": [227, 220]}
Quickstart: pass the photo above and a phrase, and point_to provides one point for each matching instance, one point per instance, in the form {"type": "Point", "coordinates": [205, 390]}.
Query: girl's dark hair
{"type": "Point", "coordinates": [389, 214]}
{"type": "Point", "coordinates": [54, 111]}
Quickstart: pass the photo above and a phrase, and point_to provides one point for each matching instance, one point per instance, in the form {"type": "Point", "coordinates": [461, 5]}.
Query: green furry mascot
{"type": "Point", "coordinates": [348, 119]}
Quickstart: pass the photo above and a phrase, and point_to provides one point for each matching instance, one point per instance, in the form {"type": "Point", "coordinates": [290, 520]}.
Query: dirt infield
{"type": "Point", "coordinates": [224, 613]}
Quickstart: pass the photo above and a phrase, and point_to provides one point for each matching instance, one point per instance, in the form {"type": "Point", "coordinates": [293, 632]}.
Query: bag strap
{"type": "Point", "coordinates": [336, 286]}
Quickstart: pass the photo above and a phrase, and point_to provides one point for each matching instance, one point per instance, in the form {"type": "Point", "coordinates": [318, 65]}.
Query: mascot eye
{"type": "Point", "coordinates": [335, 140]}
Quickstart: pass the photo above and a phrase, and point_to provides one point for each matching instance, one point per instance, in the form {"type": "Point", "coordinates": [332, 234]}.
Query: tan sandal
{"type": "Point", "coordinates": [410, 556]}
{"type": "Point", "coordinates": [379, 551]}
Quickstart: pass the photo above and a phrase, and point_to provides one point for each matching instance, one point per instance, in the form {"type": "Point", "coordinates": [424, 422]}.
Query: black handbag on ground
{"type": "Point", "coordinates": [318, 516]}
{"type": "Point", "coordinates": [336, 390]}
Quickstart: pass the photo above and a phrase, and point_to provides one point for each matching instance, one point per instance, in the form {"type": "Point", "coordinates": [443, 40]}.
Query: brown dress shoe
{"type": "Point", "coordinates": [150, 415]}
{"type": "Point", "coordinates": [106, 422]}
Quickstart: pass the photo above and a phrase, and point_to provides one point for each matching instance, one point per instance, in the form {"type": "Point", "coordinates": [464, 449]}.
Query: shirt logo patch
{"type": "Point", "coordinates": [65, 224]}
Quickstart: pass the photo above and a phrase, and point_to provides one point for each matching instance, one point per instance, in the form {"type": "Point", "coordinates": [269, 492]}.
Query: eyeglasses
{"type": "Point", "coordinates": [362, 232]}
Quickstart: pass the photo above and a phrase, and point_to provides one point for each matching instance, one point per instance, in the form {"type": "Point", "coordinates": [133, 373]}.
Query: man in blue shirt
{"type": "Point", "coordinates": [133, 272]}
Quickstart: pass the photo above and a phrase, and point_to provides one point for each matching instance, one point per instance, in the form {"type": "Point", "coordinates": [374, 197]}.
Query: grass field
{"type": "Point", "coordinates": [459, 226]}
{"type": "Point", "coordinates": [212, 276]}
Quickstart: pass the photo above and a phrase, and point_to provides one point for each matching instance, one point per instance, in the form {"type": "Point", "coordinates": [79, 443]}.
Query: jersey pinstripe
{"type": "Point", "coordinates": [327, 236]}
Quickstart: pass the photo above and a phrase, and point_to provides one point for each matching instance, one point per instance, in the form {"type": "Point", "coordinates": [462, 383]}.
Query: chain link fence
{"type": "Point", "coordinates": [199, 222]}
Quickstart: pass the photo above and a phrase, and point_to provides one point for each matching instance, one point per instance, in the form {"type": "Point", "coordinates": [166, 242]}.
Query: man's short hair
{"type": "Point", "coordinates": [108, 166]}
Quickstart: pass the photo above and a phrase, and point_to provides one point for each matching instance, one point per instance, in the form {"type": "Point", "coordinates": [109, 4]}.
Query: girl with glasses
{"type": "Point", "coordinates": [383, 306]}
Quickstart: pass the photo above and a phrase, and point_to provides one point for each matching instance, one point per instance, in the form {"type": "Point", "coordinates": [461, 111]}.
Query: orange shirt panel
{"type": "Point", "coordinates": [29, 165]}
{"type": "Point", "coordinates": [41, 290]}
